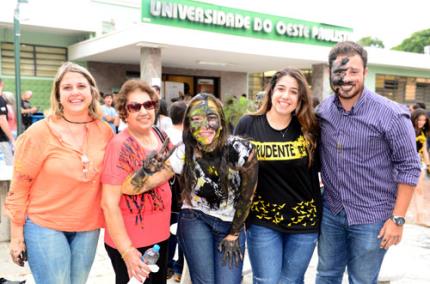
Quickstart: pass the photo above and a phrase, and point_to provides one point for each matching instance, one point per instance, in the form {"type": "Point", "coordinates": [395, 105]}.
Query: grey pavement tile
{"type": "Point", "coordinates": [410, 260]}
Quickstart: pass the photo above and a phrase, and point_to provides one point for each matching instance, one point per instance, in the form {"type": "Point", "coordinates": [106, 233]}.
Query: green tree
{"type": "Point", "coordinates": [371, 41]}
{"type": "Point", "coordinates": [416, 42]}
{"type": "Point", "coordinates": [234, 108]}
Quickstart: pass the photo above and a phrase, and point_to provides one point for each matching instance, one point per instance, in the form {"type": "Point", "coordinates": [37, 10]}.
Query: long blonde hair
{"type": "Point", "coordinates": [94, 108]}
{"type": "Point", "coordinates": [304, 111]}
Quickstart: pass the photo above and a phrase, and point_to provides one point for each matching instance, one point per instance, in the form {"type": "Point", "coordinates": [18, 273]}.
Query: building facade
{"type": "Point", "coordinates": [188, 47]}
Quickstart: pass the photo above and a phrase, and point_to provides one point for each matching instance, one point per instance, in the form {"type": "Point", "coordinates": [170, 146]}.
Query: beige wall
{"type": "Point", "coordinates": [109, 75]}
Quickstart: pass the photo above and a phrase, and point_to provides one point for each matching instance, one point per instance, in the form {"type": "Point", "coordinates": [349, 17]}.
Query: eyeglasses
{"type": "Point", "coordinates": [136, 107]}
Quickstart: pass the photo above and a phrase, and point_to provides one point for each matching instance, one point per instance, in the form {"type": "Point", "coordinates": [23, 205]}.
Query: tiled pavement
{"type": "Point", "coordinates": [410, 259]}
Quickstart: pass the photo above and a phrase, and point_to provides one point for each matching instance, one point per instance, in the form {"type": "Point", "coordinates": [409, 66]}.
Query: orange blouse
{"type": "Point", "coordinates": [48, 184]}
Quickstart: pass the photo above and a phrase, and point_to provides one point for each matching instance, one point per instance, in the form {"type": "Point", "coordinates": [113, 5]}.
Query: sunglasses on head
{"type": "Point", "coordinates": [136, 107]}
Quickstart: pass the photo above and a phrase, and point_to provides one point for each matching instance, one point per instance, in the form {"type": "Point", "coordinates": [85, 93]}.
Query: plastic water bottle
{"type": "Point", "coordinates": [151, 255]}
{"type": "Point", "coordinates": [150, 258]}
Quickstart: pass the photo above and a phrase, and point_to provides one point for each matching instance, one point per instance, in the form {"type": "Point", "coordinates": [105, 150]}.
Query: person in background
{"type": "Point", "coordinates": [54, 197]}
{"type": "Point", "coordinates": [11, 117]}
{"type": "Point", "coordinates": [162, 120]}
{"type": "Point", "coordinates": [369, 167]}
{"type": "Point", "coordinates": [121, 124]}
{"type": "Point", "coordinates": [315, 102]}
{"type": "Point", "coordinates": [419, 211]}
{"type": "Point", "coordinates": [177, 112]}
{"type": "Point", "coordinates": [428, 135]}
{"type": "Point", "coordinates": [27, 110]}
{"type": "Point", "coordinates": [284, 221]}
{"type": "Point", "coordinates": [6, 136]}
{"type": "Point", "coordinates": [416, 106]}
{"type": "Point", "coordinates": [135, 223]}
{"type": "Point", "coordinates": [421, 124]}
{"type": "Point", "coordinates": [109, 112]}
{"type": "Point", "coordinates": [187, 96]}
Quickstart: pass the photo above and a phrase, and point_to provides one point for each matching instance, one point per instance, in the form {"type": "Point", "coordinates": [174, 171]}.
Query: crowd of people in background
{"type": "Point", "coordinates": [134, 167]}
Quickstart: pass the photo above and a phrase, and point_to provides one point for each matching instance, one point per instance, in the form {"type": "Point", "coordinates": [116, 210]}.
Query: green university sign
{"type": "Point", "coordinates": [212, 18]}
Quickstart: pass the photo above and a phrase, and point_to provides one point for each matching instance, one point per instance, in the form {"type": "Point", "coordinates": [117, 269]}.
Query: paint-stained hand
{"type": "Point", "coordinates": [154, 162]}
{"type": "Point", "coordinates": [18, 252]}
{"type": "Point", "coordinates": [230, 248]}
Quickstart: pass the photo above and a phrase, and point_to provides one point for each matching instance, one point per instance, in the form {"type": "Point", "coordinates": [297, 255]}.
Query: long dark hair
{"type": "Point", "coordinates": [304, 111]}
{"type": "Point", "coordinates": [191, 145]}
{"type": "Point", "coordinates": [414, 117]}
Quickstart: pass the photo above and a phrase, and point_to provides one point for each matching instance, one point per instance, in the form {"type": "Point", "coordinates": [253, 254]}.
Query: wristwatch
{"type": "Point", "coordinates": [398, 220]}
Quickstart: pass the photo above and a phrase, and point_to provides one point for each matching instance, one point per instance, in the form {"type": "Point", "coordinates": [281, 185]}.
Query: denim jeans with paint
{"type": "Point", "coordinates": [356, 247]}
{"type": "Point", "coordinates": [278, 257]}
{"type": "Point", "coordinates": [57, 257]}
{"type": "Point", "coordinates": [199, 235]}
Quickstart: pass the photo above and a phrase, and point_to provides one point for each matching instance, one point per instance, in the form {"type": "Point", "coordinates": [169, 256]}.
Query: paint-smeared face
{"type": "Point", "coordinates": [421, 121]}
{"type": "Point", "coordinates": [347, 76]}
{"type": "Point", "coordinates": [205, 122]}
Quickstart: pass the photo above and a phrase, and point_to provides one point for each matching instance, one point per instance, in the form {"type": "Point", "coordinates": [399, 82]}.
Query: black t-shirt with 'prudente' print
{"type": "Point", "coordinates": [288, 195]}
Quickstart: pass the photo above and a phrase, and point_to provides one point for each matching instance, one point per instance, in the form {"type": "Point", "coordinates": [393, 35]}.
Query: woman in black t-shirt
{"type": "Point", "coordinates": [285, 215]}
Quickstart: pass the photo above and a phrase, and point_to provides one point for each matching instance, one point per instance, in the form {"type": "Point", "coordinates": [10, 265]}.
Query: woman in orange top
{"type": "Point", "coordinates": [135, 222]}
{"type": "Point", "coordinates": [54, 198]}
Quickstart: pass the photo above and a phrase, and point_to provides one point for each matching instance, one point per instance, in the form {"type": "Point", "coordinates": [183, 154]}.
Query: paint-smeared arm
{"type": "Point", "coordinates": [230, 245]}
{"type": "Point", "coordinates": [249, 175]}
{"type": "Point", "coordinates": [155, 170]}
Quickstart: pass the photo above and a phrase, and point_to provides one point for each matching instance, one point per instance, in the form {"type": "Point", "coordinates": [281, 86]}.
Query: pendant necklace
{"type": "Point", "coordinates": [271, 120]}
{"type": "Point", "coordinates": [82, 148]}
{"type": "Point", "coordinates": [84, 157]}
{"type": "Point", "coordinates": [284, 132]}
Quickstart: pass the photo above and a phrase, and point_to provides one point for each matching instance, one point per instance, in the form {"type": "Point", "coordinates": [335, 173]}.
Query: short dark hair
{"type": "Point", "coordinates": [186, 88]}
{"type": "Point", "coordinates": [347, 48]}
{"type": "Point", "coordinates": [163, 108]}
{"type": "Point", "coordinates": [418, 105]}
{"type": "Point", "coordinates": [156, 87]}
{"type": "Point", "coordinates": [127, 88]}
{"type": "Point", "coordinates": [107, 95]}
{"type": "Point", "coordinates": [177, 111]}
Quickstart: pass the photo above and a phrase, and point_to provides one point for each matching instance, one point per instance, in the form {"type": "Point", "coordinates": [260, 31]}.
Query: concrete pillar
{"type": "Point", "coordinates": [320, 81]}
{"type": "Point", "coordinates": [150, 65]}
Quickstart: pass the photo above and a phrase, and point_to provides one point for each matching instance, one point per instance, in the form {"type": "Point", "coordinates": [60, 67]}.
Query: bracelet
{"type": "Point", "coordinates": [126, 251]}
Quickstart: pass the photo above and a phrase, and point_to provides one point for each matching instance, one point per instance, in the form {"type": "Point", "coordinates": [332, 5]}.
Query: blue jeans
{"type": "Point", "coordinates": [199, 236]}
{"type": "Point", "coordinates": [278, 257]}
{"type": "Point", "coordinates": [57, 257]}
{"type": "Point", "coordinates": [353, 246]}
{"type": "Point", "coordinates": [175, 265]}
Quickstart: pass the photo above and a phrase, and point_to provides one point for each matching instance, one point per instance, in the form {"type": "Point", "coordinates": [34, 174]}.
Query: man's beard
{"type": "Point", "coordinates": [347, 95]}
